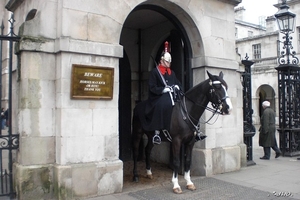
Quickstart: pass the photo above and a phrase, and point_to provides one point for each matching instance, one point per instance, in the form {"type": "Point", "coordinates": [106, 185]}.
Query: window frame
{"type": "Point", "coordinates": [256, 50]}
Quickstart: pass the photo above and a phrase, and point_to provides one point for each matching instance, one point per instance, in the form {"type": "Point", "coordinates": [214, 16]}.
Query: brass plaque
{"type": "Point", "coordinates": [91, 82]}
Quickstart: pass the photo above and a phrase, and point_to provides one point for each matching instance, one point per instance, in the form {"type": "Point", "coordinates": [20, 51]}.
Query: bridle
{"type": "Point", "coordinates": [217, 107]}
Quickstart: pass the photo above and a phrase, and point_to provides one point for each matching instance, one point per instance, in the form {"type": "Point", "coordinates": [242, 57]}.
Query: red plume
{"type": "Point", "coordinates": [166, 46]}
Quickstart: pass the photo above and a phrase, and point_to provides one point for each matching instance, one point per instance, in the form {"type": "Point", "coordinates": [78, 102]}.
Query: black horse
{"type": "Point", "coordinates": [185, 124]}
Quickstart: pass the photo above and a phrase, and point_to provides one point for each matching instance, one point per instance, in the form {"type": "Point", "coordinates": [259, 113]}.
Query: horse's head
{"type": "Point", "coordinates": [218, 93]}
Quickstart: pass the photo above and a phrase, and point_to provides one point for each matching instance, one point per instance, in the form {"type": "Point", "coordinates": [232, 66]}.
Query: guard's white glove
{"type": "Point", "coordinates": [167, 89]}
{"type": "Point", "coordinates": [176, 86]}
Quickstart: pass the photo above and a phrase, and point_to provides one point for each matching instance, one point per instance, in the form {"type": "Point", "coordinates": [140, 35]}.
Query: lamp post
{"type": "Point", "coordinates": [288, 86]}
{"type": "Point", "coordinates": [286, 25]}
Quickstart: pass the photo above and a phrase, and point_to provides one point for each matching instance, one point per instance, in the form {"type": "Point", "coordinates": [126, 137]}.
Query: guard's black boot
{"type": "Point", "coordinates": [200, 136]}
{"type": "Point", "coordinates": [156, 138]}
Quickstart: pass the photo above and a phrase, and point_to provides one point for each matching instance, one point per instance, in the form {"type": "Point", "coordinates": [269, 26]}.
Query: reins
{"type": "Point", "coordinates": [187, 116]}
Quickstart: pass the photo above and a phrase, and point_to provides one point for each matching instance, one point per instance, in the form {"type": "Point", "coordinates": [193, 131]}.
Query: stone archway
{"type": "Point", "coordinates": [266, 93]}
{"type": "Point", "coordinates": [142, 38]}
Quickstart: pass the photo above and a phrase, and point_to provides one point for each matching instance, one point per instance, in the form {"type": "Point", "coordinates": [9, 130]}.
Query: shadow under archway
{"type": "Point", "coordinates": [266, 93]}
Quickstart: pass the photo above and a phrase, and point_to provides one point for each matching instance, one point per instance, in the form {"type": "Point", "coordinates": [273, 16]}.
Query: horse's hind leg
{"type": "Point", "coordinates": [187, 166]}
{"type": "Point", "coordinates": [148, 149]}
{"type": "Point", "coordinates": [135, 153]}
{"type": "Point", "coordinates": [137, 134]}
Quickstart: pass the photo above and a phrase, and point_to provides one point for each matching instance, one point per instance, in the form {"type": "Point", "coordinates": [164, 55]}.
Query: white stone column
{"type": "Point", "coordinates": [69, 148]}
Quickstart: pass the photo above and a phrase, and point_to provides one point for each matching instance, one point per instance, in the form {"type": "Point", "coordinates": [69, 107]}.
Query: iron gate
{"type": "Point", "coordinates": [289, 109]}
{"type": "Point", "coordinates": [8, 142]}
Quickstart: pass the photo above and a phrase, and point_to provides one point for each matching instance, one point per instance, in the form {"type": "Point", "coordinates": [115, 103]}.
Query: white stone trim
{"type": "Point", "coordinates": [70, 45]}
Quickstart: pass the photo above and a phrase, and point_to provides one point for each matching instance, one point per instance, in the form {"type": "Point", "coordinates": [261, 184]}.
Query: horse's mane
{"type": "Point", "coordinates": [200, 86]}
{"type": "Point", "coordinates": [197, 87]}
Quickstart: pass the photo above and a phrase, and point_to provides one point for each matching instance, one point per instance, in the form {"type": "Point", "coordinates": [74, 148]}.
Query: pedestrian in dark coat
{"type": "Point", "coordinates": [267, 131]}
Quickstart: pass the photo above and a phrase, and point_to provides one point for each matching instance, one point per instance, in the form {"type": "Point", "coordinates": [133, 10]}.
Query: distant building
{"type": "Point", "coordinates": [261, 44]}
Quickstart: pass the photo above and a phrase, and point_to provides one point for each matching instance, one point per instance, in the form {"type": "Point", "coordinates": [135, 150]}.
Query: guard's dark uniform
{"type": "Point", "coordinates": [155, 113]}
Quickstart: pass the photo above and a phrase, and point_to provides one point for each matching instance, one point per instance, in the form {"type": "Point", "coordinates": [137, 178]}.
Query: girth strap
{"type": "Point", "coordinates": [167, 135]}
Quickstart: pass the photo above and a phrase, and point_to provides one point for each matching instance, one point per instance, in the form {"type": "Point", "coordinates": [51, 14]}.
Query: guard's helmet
{"type": "Point", "coordinates": [167, 57]}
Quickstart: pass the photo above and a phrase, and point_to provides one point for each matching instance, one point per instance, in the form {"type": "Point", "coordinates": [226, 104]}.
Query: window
{"type": "Point", "coordinates": [236, 32]}
{"type": "Point", "coordinates": [256, 51]}
{"type": "Point", "coordinates": [278, 49]}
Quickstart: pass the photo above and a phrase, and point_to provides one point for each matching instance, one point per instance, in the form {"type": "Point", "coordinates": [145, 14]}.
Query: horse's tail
{"type": "Point", "coordinates": [136, 123]}
{"type": "Point", "coordinates": [136, 136]}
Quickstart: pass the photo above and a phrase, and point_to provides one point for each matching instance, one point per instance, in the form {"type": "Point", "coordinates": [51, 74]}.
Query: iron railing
{"type": "Point", "coordinates": [249, 129]}
{"type": "Point", "coordinates": [289, 108]}
{"type": "Point", "coordinates": [8, 141]}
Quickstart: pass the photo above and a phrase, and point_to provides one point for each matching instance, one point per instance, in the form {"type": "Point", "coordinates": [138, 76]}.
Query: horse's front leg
{"type": "Point", "coordinates": [176, 165]}
{"type": "Point", "coordinates": [187, 166]}
{"type": "Point", "coordinates": [148, 150]}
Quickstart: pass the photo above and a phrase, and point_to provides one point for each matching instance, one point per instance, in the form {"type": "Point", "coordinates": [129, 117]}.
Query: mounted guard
{"type": "Point", "coordinates": [164, 91]}
{"type": "Point", "coordinates": [184, 124]}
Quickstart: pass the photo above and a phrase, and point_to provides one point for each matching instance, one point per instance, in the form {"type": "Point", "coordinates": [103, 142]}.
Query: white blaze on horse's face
{"type": "Point", "coordinates": [224, 100]}
{"type": "Point", "coordinates": [227, 99]}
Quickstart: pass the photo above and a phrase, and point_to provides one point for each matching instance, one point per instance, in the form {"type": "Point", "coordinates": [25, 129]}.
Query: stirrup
{"type": "Point", "coordinates": [200, 136]}
{"type": "Point", "coordinates": [156, 139]}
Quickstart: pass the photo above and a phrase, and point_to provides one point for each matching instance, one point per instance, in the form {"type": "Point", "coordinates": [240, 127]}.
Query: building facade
{"type": "Point", "coordinates": [74, 145]}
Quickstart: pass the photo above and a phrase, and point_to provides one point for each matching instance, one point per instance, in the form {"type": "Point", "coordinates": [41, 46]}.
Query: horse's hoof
{"type": "Point", "coordinates": [177, 190]}
{"type": "Point", "coordinates": [149, 176]}
{"type": "Point", "coordinates": [135, 179]}
{"type": "Point", "coordinates": [191, 187]}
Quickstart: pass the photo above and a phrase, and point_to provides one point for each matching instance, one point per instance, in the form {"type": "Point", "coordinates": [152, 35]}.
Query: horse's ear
{"type": "Point", "coordinates": [209, 75]}
{"type": "Point", "coordinates": [221, 75]}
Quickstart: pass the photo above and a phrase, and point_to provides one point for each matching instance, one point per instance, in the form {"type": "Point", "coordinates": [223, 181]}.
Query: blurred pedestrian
{"type": "Point", "coordinates": [6, 117]}
{"type": "Point", "coordinates": [3, 119]}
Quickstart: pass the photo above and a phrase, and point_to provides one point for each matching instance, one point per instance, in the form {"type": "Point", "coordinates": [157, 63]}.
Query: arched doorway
{"type": "Point", "coordinates": [266, 93]}
{"type": "Point", "coordinates": [143, 35]}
